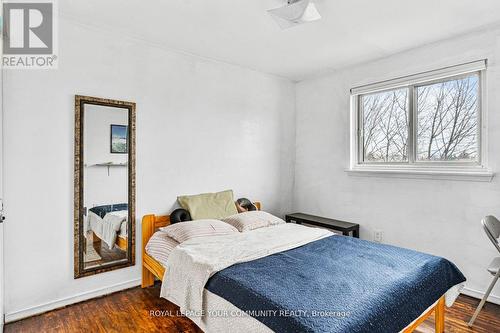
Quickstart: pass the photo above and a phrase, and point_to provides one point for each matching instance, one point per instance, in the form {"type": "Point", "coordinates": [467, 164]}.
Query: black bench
{"type": "Point", "coordinates": [345, 227]}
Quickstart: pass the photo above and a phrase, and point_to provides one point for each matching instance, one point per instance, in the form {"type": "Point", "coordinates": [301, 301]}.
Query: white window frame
{"type": "Point", "coordinates": [455, 170]}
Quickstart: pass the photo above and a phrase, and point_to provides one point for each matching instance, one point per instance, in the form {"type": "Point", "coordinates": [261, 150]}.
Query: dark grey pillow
{"type": "Point", "coordinates": [246, 203]}
{"type": "Point", "coordinates": [179, 215]}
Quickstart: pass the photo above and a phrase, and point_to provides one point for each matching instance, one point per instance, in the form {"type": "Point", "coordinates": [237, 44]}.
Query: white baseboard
{"type": "Point", "coordinates": [38, 309]}
{"type": "Point", "coordinates": [479, 294]}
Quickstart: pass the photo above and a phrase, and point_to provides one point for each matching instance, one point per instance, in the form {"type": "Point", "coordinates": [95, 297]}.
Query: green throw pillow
{"type": "Point", "coordinates": [209, 205]}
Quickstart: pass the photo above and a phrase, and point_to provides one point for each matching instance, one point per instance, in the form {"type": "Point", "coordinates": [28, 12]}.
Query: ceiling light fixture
{"type": "Point", "coordinates": [294, 13]}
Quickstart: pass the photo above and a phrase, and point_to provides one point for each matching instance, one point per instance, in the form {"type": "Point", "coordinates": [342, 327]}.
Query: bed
{"type": "Point", "coordinates": [239, 288]}
{"type": "Point", "coordinates": [108, 223]}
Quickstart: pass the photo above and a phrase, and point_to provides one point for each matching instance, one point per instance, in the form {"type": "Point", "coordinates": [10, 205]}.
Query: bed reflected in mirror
{"type": "Point", "coordinates": [104, 185]}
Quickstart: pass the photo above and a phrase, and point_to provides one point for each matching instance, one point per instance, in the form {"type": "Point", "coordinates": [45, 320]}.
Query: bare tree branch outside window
{"type": "Point", "coordinates": [385, 126]}
{"type": "Point", "coordinates": [446, 127]}
{"type": "Point", "coordinates": [448, 120]}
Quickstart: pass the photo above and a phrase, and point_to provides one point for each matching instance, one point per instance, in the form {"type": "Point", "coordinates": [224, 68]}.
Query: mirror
{"type": "Point", "coordinates": [104, 220]}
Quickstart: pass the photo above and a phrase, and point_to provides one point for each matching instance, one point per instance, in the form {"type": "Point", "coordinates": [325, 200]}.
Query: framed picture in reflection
{"type": "Point", "coordinates": [119, 140]}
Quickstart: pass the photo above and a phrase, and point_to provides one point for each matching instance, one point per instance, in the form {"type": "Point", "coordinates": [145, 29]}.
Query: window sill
{"type": "Point", "coordinates": [477, 174]}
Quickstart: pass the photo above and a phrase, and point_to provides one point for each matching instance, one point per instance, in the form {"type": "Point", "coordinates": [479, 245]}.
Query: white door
{"type": "Point", "coordinates": [1, 199]}
{"type": "Point", "coordinates": [1, 244]}
{"type": "Point", "coordinates": [1, 184]}
{"type": "Point", "coordinates": [1, 202]}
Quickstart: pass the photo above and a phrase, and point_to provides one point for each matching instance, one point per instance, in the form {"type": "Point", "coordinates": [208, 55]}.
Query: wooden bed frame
{"type": "Point", "coordinates": [152, 268]}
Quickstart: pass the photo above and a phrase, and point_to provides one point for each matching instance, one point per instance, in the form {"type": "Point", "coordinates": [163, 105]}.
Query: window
{"type": "Point", "coordinates": [429, 121]}
{"type": "Point", "coordinates": [385, 126]}
{"type": "Point", "coordinates": [448, 120]}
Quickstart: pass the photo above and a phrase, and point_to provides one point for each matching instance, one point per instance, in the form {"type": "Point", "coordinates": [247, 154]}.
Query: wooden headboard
{"type": "Point", "coordinates": [150, 267]}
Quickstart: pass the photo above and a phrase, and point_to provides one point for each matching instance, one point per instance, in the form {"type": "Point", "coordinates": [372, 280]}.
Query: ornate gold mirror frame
{"type": "Point", "coordinates": [79, 210]}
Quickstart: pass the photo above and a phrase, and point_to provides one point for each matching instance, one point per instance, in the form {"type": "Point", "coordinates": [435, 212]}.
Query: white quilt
{"type": "Point", "coordinates": [193, 262]}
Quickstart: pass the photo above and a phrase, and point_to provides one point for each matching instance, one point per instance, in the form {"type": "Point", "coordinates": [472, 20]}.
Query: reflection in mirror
{"type": "Point", "coordinates": [104, 225]}
{"type": "Point", "coordinates": [105, 177]}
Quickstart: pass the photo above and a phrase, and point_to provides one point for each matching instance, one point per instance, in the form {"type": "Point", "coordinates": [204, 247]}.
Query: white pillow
{"type": "Point", "coordinates": [160, 246]}
{"type": "Point", "coordinates": [119, 213]}
{"type": "Point", "coordinates": [184, 231]}
{"type": "Point", "coordinates": [256, 219]}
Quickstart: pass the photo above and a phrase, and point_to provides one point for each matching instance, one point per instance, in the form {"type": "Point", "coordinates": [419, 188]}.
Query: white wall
{"type": "Point", "coordinates": [104, 185]}
{"type": "Point", "coordinates": [208, 126]}
{"type": "Point", "coordinates": [97, 131]}
{"type": "Point", "coordinates": [435, 216]}
{"type": "Point", "coordinates": [201, 126]}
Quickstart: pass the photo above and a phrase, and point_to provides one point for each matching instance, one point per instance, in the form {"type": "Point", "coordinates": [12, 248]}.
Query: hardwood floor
{"type": "Point", "coordinates": [141, 310]}
{"type": "Point", "coordinates": [107, 255]}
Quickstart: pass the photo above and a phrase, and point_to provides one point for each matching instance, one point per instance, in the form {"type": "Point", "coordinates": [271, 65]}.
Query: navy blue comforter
{"type": "Point", "coordinates": [337, 284]}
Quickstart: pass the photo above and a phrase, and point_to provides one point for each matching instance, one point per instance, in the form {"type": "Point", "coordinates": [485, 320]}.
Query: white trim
{"type": "Point", "coordinates": [483, 129]}
{"type": "Point", "coordinates": [463, 174]}
{"type": "Point", "coordinates": [404, 81]}
{"type": "Point", "coordinates": [2, 231]}
{"type": "Point", "coordinates": [59, 303]}
{"type": "Point", "coordinates": [354, 142]}
{"type": "Point", "coordinates": [479, 295]}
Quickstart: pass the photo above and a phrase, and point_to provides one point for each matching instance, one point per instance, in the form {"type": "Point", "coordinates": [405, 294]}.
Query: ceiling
{"type": "Point", "coordinates": [242, 33]}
